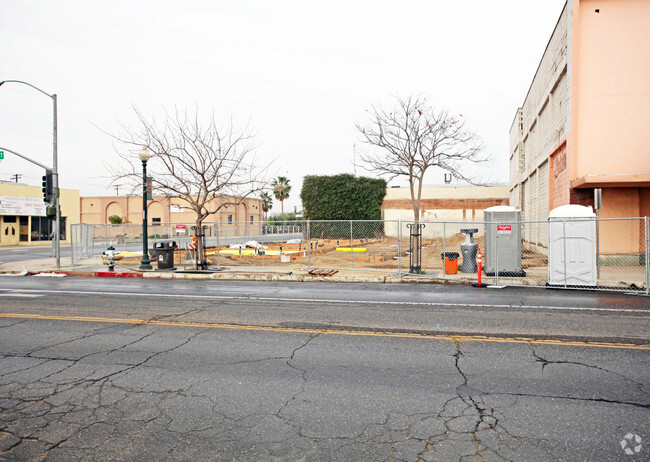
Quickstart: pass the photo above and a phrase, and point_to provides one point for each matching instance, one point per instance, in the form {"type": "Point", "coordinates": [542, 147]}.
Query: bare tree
{"type": "Point", "coordinates": [412, 137]}
{"type": "Point", "coordinates": [208, 166]}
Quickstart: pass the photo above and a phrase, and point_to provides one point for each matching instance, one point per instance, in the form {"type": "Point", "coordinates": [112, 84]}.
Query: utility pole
{"type": "Point", "coordinates": [117, 189]}
{"type": "Point", "coordinates": [16, 177]}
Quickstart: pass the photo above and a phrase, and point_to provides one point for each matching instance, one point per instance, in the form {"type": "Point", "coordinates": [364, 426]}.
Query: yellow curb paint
{"type": "Point", "coordinates": [367, 333]}
{"type": "Point", "coordinates": [347, 249]}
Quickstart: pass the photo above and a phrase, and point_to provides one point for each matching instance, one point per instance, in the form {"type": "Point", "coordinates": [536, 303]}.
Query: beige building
{"type": "Point", "coordinates": [447, 203]}
{"type": "Point", "coordinates": [163, 210]}
{"type": "Point", "coordinates": [22, 214]}
{"type": "Point", "coordinates": [584, 122]}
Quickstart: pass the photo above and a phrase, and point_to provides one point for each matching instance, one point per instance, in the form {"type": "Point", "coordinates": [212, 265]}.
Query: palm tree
{"type": "Point", "coordinates": [267, 203]}
{"type": "Point", "coordinates": [281, 189]}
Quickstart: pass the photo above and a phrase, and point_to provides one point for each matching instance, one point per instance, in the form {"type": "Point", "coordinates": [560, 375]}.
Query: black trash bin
{"type": "Point", "coordinates": [164, 251]}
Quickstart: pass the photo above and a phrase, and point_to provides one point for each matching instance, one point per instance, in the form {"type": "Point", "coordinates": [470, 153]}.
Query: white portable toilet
{"type": "Point", "coordinates": [572, 246]}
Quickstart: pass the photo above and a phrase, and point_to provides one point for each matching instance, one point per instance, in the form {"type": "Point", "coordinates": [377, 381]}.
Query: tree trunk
{"type": "Point", "coordinates": [414, 238]}
{"type": "Point", "coordinates": [200, 244]}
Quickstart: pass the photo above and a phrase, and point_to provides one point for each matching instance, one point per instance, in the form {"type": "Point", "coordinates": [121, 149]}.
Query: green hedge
{"type": "Point", "coordinates": [342, 197]}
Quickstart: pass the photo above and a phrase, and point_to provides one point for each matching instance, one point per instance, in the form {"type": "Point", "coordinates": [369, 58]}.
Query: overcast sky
{"type": "Point", "coordinates": [301, 72]}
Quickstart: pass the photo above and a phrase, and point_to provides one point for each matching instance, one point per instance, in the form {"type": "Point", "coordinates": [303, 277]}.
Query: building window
{"type": "Point", "coordinates": [230, 219]}
{"type": "Point", "coordinates": [251, 219]}
{"type": "Point", "coordinates": [24, 229]}
{"type": "Point", "coordinates": [155, 221]}
{"type": "Point", "coordinates": [41, 229]}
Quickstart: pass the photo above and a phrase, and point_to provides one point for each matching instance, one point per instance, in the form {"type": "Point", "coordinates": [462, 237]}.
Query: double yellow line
{"type": "Point", "coordinates": [302, 330]}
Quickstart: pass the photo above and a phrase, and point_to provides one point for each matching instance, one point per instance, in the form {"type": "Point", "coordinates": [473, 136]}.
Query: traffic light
{"type": "Point", "coordinates": [48, 187]}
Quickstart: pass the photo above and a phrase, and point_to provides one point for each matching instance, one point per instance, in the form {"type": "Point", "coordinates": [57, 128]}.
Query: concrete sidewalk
{"type": "Point", "coordinates": [94, 267]}
{"type": "Point", "coordinates": [611, 277]}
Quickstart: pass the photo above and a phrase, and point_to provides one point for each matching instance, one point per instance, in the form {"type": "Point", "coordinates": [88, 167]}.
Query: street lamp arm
{"type": "Point", "coordinates": [26, 158]}
{"type": "Point", "coordinates": [28, 84]}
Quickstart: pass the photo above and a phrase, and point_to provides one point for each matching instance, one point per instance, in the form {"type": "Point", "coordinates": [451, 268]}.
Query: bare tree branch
{"type": "Point", "coordinates": [207, 165]}
{"type": "Point", "coordinates": [411, 138]}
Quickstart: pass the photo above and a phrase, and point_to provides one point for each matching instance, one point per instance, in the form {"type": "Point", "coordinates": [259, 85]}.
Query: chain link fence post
{"type": "Point", "coordinates": [217, 231]}
{"type": "Point", "coordinates": [564, 239]}
{"type": "Point", "coordinates": [399, 247]}
{"type": "Point", "coordinates": [309, 245]}
{"type": "Point", "coordinates": [444, 249]}
{"type": "Point", "coordinates": [647, 253]}
{"type": "Point", "coordinates": [351, 245]}
{"type": "Point", "coordinates": [496, 256]}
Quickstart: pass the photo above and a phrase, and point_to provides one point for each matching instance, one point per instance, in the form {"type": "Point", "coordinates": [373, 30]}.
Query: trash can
{"type": "Point", "coordinates": [164, 251]}
{"type": "Point", "coordinates": [450, 262]}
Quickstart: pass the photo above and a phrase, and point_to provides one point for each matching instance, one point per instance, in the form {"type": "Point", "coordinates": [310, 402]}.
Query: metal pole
{"type": "Point", "coordinates": [145, 264]}
{"type": "Point", "coordinates": [26, 158]}
{"type": "Point", "coordinates": [55, 173]}
{"type": "Point", "coordinates": [597, 246]}
{"type": "Point", "coordinates": [309, 244]}
{"type": "Point", "coordinates": [647, 254]}
{"type": "Point", "coordinates": [444, 248]}
{"type": "Point", "coordinates": [399, 246]}
{"type": "Point", "coordinates": [496, 255]}
{"type": "Point", "coordinates": [216, 231]}
{"type": "Point", "coordinates": [351, 244]}
{"type": "Point", "coordinates": [55, 178]}
{"type": "Point", "coordinates": [564, 245]}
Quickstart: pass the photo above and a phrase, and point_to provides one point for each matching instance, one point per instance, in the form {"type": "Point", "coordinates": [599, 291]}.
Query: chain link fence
{"type": "Point", "coordinates": [609, 254]}
{"type": "Point", "coordinates": [82, 241]}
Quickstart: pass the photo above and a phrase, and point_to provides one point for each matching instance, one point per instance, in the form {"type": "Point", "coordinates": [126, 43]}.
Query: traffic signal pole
{"type": "Point", "coordinates": [56, 242]}
{"type": "Point", "coordinates": [26, 158]}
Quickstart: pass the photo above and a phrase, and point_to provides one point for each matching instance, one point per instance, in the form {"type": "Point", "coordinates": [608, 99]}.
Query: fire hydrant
{"type": "Point", "coordinates": [110, 254]}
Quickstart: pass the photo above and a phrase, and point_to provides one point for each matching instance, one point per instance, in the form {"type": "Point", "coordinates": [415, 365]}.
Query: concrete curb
{"type": "Point", "coordinates": [253, 276]}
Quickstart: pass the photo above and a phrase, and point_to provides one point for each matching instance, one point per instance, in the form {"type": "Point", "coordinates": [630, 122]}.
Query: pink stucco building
{"type": "Point", "coordinates": [585, 122]}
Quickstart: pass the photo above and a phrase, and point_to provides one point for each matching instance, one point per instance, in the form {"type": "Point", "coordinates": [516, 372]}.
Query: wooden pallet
{"type": "Point", "coordinates": [322, 272]}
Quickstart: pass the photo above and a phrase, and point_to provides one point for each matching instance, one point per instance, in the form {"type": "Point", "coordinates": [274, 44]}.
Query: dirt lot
{"type": "Point", "coordinates": [378, 254]}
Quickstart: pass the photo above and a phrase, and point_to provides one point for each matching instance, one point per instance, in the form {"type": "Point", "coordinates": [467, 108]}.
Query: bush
{"type": "Point", "coordinates": [342, 197]}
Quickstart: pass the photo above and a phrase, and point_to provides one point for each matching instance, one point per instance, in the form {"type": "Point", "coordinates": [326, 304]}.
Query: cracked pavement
{"type": "Point", "coordinates": [71, 391]}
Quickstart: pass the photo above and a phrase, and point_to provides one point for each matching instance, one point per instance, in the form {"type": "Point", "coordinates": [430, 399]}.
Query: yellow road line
{"type": "Point", "coordinates": [453, 338]}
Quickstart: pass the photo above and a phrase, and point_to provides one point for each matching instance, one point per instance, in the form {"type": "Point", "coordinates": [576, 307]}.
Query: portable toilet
{"type": "Point", "coordinates": [503, 241]}
{"type": "Point", "coordinates": [572, 246]}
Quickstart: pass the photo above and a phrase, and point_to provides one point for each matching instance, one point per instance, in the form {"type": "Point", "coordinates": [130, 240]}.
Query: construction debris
{"type": "Point", "coordinates": [323, 272]}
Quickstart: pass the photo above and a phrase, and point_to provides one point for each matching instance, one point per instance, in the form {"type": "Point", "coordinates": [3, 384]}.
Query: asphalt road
{"type": "Point", "coordinates": [22, 253]}
{"type": "Point", "coordinates": [95, 369]}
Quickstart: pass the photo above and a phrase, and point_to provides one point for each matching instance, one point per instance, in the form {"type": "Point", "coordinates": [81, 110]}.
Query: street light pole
{"type": "Point", "coordinates": [145, 264]}
{"type": "Point", "coordinates": [55, 172]}
{"type": "Point", "coordinates": [55, 179]}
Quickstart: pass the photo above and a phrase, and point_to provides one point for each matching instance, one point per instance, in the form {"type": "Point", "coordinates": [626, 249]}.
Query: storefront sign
{"type": "Point", "coordinates": [30, 206]}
